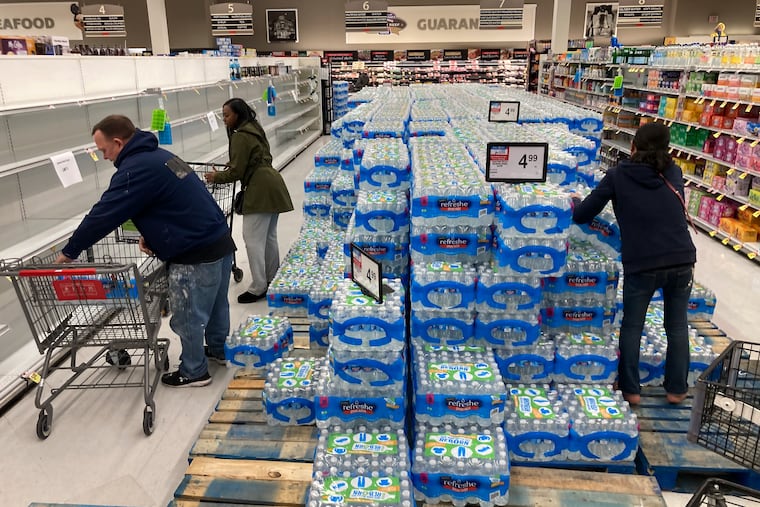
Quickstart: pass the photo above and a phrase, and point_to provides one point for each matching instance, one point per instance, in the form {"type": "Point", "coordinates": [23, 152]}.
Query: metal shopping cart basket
{"type": "Point", "coordinates": [725, 418]}
{"type": "Point", "coordinates": [224, 195]}
{"type": "Point", "coordinates": [104, 313]}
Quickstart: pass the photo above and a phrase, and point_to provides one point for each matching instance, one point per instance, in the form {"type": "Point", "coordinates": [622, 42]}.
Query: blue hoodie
{"type": "Point", "coordinates": [167, 202]}
{"type": "Point", "coordinates": [653, 227]}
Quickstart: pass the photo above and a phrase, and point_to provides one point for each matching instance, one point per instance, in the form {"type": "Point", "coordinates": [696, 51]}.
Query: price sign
{"type": "Point", "coordinates": [503, 111]}
{"type": "Point", "coordinates": [516, 162]}
{"type": "Point", "coordinates": [103, 20]}
{"type": "Point", "coordinates": [367, 273]}
{"type": "Point", "coordinates": [231, 19]}
{"type": "Point", "coordinates": [501, 14]}
{"type": "Point", "coordinates": [366, 16]}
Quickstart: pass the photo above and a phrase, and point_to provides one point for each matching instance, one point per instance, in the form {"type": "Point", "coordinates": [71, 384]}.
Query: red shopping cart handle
{"type": "Point", "coordinates": [57, 272]}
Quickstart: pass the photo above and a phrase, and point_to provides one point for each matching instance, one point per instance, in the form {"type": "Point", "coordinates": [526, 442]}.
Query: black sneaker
{"type": "Point", "coordinates": [212, 358]}
{"type": "Point", "coordinates": [249, 297]}
{"type": "Point", "coordinates": [174, 379]}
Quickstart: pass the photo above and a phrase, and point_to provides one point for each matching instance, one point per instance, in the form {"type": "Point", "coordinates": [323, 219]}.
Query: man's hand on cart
{"type": "Point", "coordinates": [144, 247]}
{"type": "Point", "coordinates": [62, 259]}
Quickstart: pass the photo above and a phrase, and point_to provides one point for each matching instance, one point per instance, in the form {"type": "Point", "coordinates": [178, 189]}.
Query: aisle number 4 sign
{"type": "Point", "coordinates": [516, 162]}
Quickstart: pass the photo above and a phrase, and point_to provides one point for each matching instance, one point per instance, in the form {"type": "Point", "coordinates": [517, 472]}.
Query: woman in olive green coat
{"type": "Point", "coordinates": [266, 195]}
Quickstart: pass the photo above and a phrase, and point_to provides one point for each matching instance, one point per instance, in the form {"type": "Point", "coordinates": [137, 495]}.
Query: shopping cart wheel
{"type": "Point", "coordinates": [44, 421]}
{"type": "Point", "coordinates": [166, 361]}
{"type": "Point", "coordinates": [237, 274]}
{"type": "Point", "coordinates": [148, 422]}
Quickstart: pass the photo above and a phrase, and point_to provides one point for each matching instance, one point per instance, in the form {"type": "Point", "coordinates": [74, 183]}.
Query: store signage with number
{"type": "Point", "coordinates": [231, 19]}
{"type": "Point", "coordinates": [500, 14]}
{"type": "Point", "coordinates": [504, 111]}
{"type": "Point", "coordinates": [103, 20]}
{"type": "Point", "coordinates": [647, 13]}
{"type": "Point", "coordinates": [516, 162]}
{"type": "Point", "coordinates": [757, 13]}
{"type": "Point", "coordinates": [367, 273]}
{"type": "Point", "coordinates": [366, 16]}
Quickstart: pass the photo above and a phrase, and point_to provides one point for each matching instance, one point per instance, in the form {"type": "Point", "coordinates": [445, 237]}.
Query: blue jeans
{"type": "Point", "coordinates": [200, 309]}
{"type": "Point", "coordinates": [638, 289]}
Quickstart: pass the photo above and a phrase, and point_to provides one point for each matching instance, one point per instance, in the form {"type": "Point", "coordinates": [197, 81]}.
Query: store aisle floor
{"type": "Point", "coordinates": [98, 454]}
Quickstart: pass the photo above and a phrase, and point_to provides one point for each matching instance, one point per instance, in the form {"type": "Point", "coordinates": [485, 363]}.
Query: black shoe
{"type": "Point", "coordinates": [119, 357]}
{"type": "Point", "coordinates": [250, 297]}
{"type": "Point", "coordinates": [212, 358]}
{"type": "Point", "coordinates": [174, 379]}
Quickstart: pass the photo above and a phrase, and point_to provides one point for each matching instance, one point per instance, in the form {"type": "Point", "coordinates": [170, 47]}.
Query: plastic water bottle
{"type": "Point", "coordinates": [289, 390]}
{"type": "Point", "coordinates": [443, 285]}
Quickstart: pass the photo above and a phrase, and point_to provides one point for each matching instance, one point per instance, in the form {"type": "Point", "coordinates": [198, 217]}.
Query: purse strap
{"type": "Point", "coordinates": [680, 199]}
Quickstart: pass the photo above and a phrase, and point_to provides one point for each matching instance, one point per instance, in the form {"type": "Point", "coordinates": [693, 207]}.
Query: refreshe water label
{"type": "Point", "coordinates": [296, 374]}
{"type": "Point", "coordinates": [598, 403]}
{"type": "Point", "coordinates": [531, 403]}
{"type": "Point", "coordinates": [479, 372]}
{"type": "Point", "coordinates": [454, 445]}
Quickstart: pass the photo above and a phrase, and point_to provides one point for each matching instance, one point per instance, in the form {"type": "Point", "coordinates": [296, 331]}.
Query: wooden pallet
{"type": "Point", "coordinates": [664, 452]}
{"type": "Point", "coordinates": [539, 487]}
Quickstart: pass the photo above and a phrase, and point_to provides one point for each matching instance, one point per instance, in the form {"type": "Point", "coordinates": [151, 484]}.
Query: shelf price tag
{"type": "Point", "coordinates": [712, 234]}
{"type": "Point", "coordinates": [712, 103]}
{"type": "Point", "coordinates": [737, 247]}
{"type": "Point", "coordinates": [740, 140]}
{"type": "Point", "coordinates": [730, 172]}
{"type": "Point", "coordinates": [743, 207]}
{"type": "Point", "coordinates": [754, 143]}
{"type": "Point", "coordinates": [671, 150]}
{"type": "Point", "coordinates": [720, 197]}
{"type": "Point", "coordinates": [752, 255]}
{"type": "Point", "coordinates": [688, 128]}
{"type": "Point", "coordinates": [742, 176]}
{"type": "Point", "coordinates": [93, 155]}
{"type": "Point", "coordinates": [723, 104]}
{"type": "Point", "coordinates": [716, 135]}
{"type": "Point", "coordinates": [756, 214]}
{"type": "Point", "coordinates": [735, 106]}
{"type": "Point", "coordinates": [724, 241]}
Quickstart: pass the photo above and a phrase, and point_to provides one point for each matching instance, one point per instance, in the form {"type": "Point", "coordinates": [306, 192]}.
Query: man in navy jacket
{"type": "Point", "coordinates": [180, 223]}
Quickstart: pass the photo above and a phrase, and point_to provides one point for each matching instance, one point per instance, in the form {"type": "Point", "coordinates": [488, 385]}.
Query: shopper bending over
{"type": "Point", "coordinates": [181, 224]}
{"type": "Point", "coordinates": [647, 195]}
{"type": "Point", "coordinates": [266, 195]}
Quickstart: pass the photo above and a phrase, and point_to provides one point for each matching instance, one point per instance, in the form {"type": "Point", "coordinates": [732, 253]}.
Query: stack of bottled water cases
{"type": "Point", "coordinates": [384, 165]}
{"type": "Point", "coordinates": [532, 229]}
{"type": "Point", "coordinates": [460, 465]}
{"type": "Point", "coordinates": [439, 128]}
{"type": "Point", "coordinates": [289, 390]}
{"type": "Point", "coordinates": [583, 298]}
{"type": "Point", "coordinates": [353, 124]}
{"type": "Point", "coordinates": [366, 379]}
{"type": "Point", "coordinates": [340, 98]}
{"type": "Point", "coordinates": [343, 193]}
{"type": "Point", "coordinates": [361, 465]}
{"type": "Point", "coordinates": [380, 227]}
{"type": "Point", "coordinates": [452, 204]}
{"type": "Point", "coordinates": [536, 423]}
{"type": "Point", "coordinates": [258, 341]}
{"type": "Point", "coordinates": [317, 197]}
{"type": "Point", "coordinates": [702, 302]}
{"type": "Point", "coordinates": [584, 357]}
{"type": "Point", "coordinates": [602, 425]}
{"type": "Point", "coordinates": [655, 342]}
{"type": "Point", "coordinates": [329, 155]}
{"type": "Point", "coordinates": [527, 363]}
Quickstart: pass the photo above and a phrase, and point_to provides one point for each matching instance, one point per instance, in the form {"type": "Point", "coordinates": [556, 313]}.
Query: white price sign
{"type": "Point", "coordinates": [516, 162]}
{"type": "Point", "coordinates": [367, 273]}
{"type": "Point", "coordinates": [503, 111]}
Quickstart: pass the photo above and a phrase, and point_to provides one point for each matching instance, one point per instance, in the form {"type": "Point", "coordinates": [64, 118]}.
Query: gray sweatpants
{"type": "Point", "coordinates": [260, 236]}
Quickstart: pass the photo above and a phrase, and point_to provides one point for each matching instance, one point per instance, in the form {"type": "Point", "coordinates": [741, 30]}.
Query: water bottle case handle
{"type": "Point", "coordinates": [425, 291]}
{"type": "Point", "coordinates": [370, 173]}
{"type": "Point", "coordinates": [547, 364]}
{"type": "Point", "coordinates": [531, 330]}
{"type": "Point", "coordinates": [653, 371]}
{"type": "Point", "coordinates": [274, 409]}
{"type": "Point", "coordinates": [341, 328]}
{"type": "Point", "coordinates": [580, 443]}
{"type": "Point", "coordinates": [562, 216]}
{"type": "Point", "coordinates": [562, 365]}
{"type": "Point", "coordinates": [397, 366]}
{"type": "Point", "coordinates": [363, 219]}
{"type": "Point", "coordinates": [514, 441]}
{"type": "Point", "coordinates": [488, 295]}
{"type": "Point", "coordinates": [555, 255]}
{"type": "Point", "coordinates": [439, 321]}
{"type": "Point", "coordinates": [562, 168]}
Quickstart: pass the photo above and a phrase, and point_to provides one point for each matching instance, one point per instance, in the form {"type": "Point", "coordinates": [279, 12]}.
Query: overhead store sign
{"type": "Point", "coordinates": [499, 14]}
{"type": "Point", "coordinates": [42, 18]}
{"type": "Point", "coordinates": [231, 19]}
{"type": "Point", "coordinates": [443, 24]}
{"type": "Point", "coordinates": [366, 16]}
{"type": "Point", "coordinates": [103, 20]}
{"type": "Point", "coordinates": [757, 13]}
{"type": "Point", "coordinates": [648, 13]}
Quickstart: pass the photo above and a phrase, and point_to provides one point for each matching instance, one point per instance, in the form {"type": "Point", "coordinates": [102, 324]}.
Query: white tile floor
{"type": "Point", "coordinates": [98, 454]}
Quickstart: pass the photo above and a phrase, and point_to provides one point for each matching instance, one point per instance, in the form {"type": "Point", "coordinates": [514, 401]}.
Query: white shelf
{"type": "Point", "coordinates": [751, 249]}
{"type": "Point", "coordinates": [270, 128]}
{"type": "Point", "coordinates": [618, 145]}
{"type": "Point", "coordinates": [284, 158]}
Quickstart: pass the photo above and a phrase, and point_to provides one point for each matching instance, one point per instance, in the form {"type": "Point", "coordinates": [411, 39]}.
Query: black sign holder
{"type": "Point", "coordinates": [514, 104]}
{"type": "Point", "coordinates": [522, 160]}
{"type": "Point", "coordinates": [367, 273]}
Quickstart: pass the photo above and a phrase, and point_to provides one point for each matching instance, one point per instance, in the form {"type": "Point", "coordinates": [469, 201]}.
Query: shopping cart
{"type": "Point", "coordinates": [105, 313]}
{"type": "Point", "coordinates": [725, 418]}
{"type": "Point", "coordinates": [224, 195]}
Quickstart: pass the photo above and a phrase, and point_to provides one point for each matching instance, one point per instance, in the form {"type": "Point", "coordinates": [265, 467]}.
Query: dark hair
{"type": "Point", "coordinates": [242, 110]}
{"type": "Point", "coordinates": [115, 125]}
{"type": "Point", "coordinates": [651, 142]}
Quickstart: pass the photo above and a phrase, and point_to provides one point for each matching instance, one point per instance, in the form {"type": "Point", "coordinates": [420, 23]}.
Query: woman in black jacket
{"type": "Point", "coordinates": [657, 252]}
